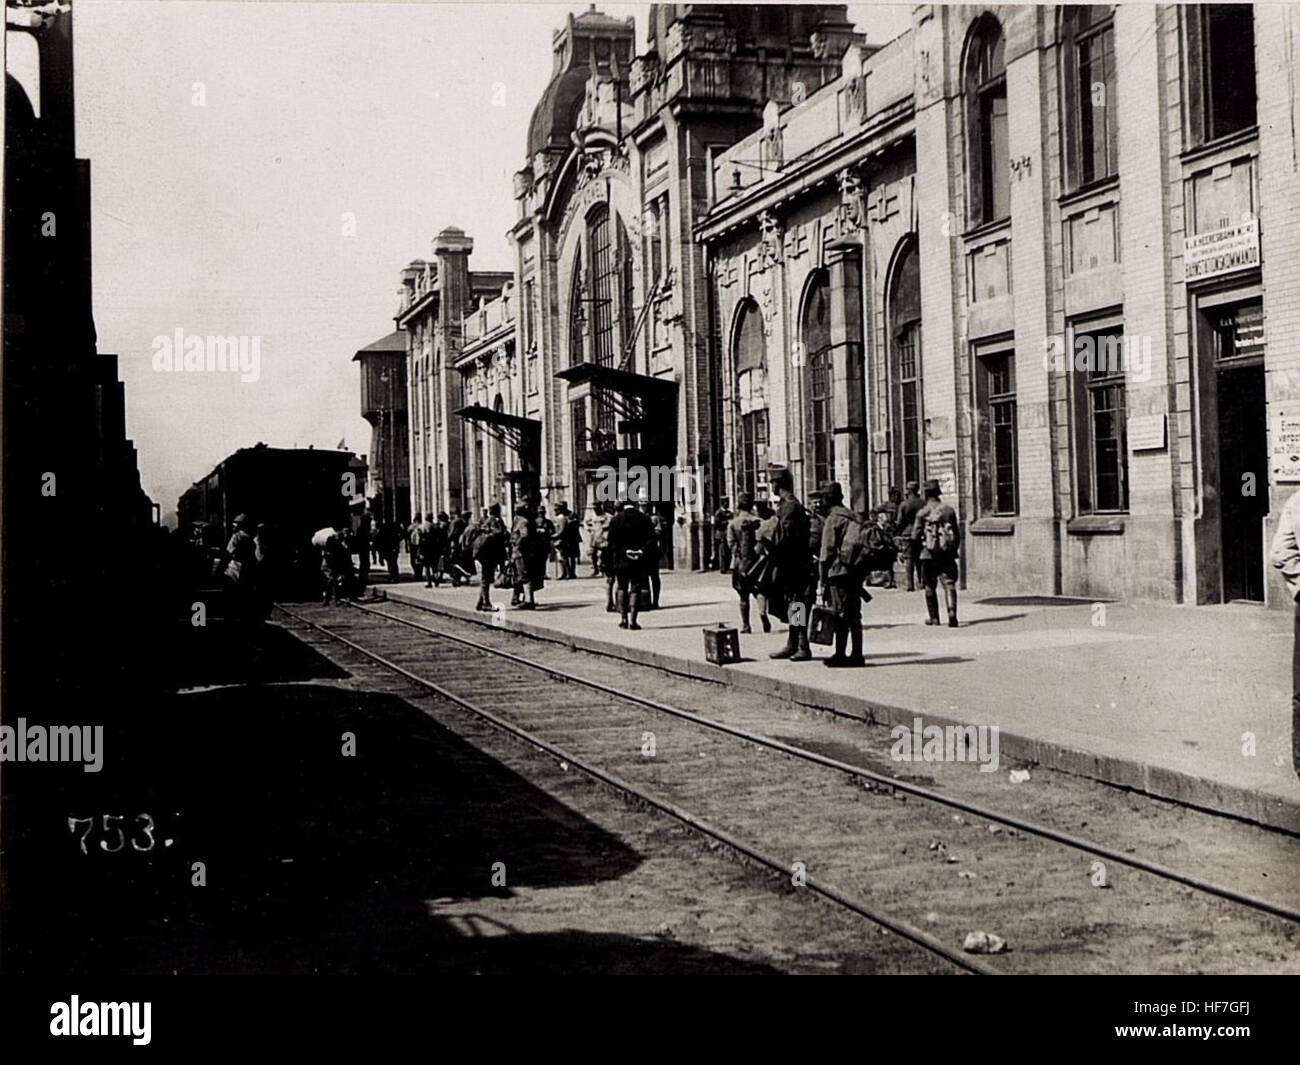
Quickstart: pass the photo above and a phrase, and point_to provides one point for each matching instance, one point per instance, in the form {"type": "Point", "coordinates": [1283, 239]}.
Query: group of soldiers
{"type": "Point", "coordinates": [797, 558]}
{"type": "Point", "coordinates": [512, 557]}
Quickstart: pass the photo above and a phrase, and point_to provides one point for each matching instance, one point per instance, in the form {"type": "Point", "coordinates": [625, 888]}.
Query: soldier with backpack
{"type": "Point", "coordinates": [936, 524]}
{"type": "Point", "coordinates": [846, 558]}
{"type": "Point", "coordinates": [490, 543]}
{"type": "Point", "coordinates": [742, 546]}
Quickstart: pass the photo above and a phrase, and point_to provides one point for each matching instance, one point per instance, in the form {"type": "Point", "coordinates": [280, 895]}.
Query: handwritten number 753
{"type": "Point", "coordinates": [141, 838]}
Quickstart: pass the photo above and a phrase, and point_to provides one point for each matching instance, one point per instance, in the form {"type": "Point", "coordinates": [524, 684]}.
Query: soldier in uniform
{"type": "Point", "coordinates": [905, 526]}
{"type": "Point", "coordinates": [841, 587]}
{"type": "Point", "coordinates": [742, 541]}
{"type": "Point", "coordinates": [936, 524]}
{"type": "Point", "coordinates": [627, 548]}
{"type": "Point", "coordinates": [792, 558]}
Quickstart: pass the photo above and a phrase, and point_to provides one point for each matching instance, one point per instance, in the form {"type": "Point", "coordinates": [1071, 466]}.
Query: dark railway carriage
{"type": "Point", "coordinates": [292, 491]}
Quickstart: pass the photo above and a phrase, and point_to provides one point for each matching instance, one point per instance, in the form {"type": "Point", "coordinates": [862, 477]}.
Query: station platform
{"type": "Point", "coordinates": [1156, 698]}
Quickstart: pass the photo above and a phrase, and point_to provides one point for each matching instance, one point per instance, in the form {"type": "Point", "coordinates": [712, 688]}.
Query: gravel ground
{"type": "Point", "coordinates": [947, 873]}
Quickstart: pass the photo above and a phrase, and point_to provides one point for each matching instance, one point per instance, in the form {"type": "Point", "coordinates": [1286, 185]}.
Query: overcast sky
{"type": "Point", "coordinates": [228, 218]}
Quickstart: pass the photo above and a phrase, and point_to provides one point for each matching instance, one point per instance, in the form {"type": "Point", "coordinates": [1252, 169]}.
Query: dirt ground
{"type": "Point", "coordinates": [947, 873]}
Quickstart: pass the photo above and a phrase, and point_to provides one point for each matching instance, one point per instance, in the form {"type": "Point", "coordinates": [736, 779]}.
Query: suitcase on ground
{"type": "Point", "coordinates": [821, 625]}
{"type": "Point", "coordinates": [722, 644]}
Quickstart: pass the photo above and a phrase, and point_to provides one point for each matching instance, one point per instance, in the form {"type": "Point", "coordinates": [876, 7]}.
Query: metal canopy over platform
{"type": "Point", "coordinates": [622, 382]}
{"type": "Point", "coordinates": [522, 435]}
{"type": "Point", "coordinates": [636, 403]}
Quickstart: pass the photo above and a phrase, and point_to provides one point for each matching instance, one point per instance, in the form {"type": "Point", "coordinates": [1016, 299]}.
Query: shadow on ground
{"type": "Point", "coordinates": [313, 861]}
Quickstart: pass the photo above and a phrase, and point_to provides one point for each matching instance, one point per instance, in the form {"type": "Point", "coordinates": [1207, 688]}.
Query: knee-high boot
{"type": "Point", "coordinates": [803, 652]}
{"type": "Point", "coordinates": [855, 646]}
{"type": "Point", "coordinates": [744, 616]}
{"type": "Point", "coordinates": [791, 644]}
{"type": "Point", "coordinates": [932, 606]}
{"type": "Point", "coordinates": [950, 603]}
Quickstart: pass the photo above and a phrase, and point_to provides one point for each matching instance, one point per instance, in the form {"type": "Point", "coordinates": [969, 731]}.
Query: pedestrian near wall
{"type": "Point", "coordinates": [561, 537]}
{"type": "Point", "coordinates": [654, 551]}
{"type": "Point", "coordinates": [842, 578]}
{"type": "Point", "coordinates": [433, 550]}
{"type": "Point", "coordinates": [627, 550]}
{"type": "Point", "coordinates": [413, 533]}
{"type": "Point", "coordinates": [489, 548]}
{"type": "Point", "coordinates": [1285, 555]}
{"type": "Point", "coordinates": [791, 556]}
{"type": "Point", "coordinates": [939, 534]}
{"type": "Point", "coordinates": [721, 551]}
{"type": "Point", "coordinates": [742, 544]}
{"type": "Point", "coordinates": [908, 534]}
{"type": "Point", "coordinates": [365, 548]}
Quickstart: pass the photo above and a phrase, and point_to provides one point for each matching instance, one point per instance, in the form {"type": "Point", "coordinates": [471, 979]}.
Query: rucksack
{"type": "Point", "coordinates": [865, 547]}
{"type": "Point", "coordinates": [939, 535]}
{"type": "Point", "coordinates": [746, 543]}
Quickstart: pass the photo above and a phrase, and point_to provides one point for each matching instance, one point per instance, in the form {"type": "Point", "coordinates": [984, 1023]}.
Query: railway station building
{"type": "Point", "coordinates": [1048, 257]}
{"type": "Point", "coordinates": [436, 296]}
{"type": "Point", "coordinates": [615, 352]}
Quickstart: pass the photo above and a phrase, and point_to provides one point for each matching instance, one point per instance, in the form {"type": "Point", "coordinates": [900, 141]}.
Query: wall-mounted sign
{"type": "Point", "coordinates": [1284, 460]}
{"type": "Point", "coordinates": [1220, 251]}
{"type": "Point", "coordinates": [1146, 432]}
{"type": "Point", "coordinates": [942, 467]}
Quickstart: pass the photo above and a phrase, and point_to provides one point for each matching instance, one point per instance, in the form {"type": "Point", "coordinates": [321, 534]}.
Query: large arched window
{"type": "Point", "coordinates": [604, 284]}
{"type": "Point", "coordinates": [987, 147]}
{"type": "Point", "coordinates": [750, 355]}
{"type": "Point", "coordinates": [815, 336]}
{"type": "Point", "coordinates": [1088, 93]}
{"type": "Point", "coordinates": [907, 393]}
{"type": "Point", "coordinates": [577, 314]}
{"type": "Point", "coordinates": [627, 294]}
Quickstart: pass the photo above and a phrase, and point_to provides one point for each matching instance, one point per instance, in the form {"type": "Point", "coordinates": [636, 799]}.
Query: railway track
{"type": "Point", "coordinates": [654, 752]}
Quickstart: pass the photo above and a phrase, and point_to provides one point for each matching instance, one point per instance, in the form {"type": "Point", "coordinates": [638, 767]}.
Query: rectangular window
{"type": "Point", "coordinates": [530, 317]}
{"type": "Point", "coordinates": [1090, 96]}
{"type": "Point", "coordinates": [997, 450]}
{"type": "Point", "coordinates": [1220, 41]}
{"type": "Point", "coordinates": [655, 239]}
{"type": "Point", "coordinates": [751, 467]}
{"type": "Point", "coordinates": [819, 382]}
{"type": "Point", "coordinates": [604, 277]}
{"type": "Point", "coordinates": [578, 427]}
{"type": "Point", "coordinates": [1097, 365]}
{"type": "Point", "coordinates": [908, 402]}
{"type": "Point", "coordinates": [995, 153]}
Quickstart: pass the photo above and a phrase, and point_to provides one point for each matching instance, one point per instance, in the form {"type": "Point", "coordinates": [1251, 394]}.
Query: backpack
{"type": "Point", "coordinates": [864, 547]}
{"type": "Point", "coordinates": [939, 536]}
{"type": "Point", "coordinates": [746, 537]}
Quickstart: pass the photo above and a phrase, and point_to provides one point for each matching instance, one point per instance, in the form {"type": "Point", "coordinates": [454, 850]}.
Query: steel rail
{"type": "Point", "coordinates": [1030, 827]}
{"type": "Point", "coordinates": [895, 925]}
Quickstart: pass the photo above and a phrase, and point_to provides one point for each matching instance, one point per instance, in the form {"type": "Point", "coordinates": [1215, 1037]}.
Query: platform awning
{"type": "Point", "coordinates": [623, 382]}
{"type": "Point", "coordinates": [636, 403]}
{"type": "Point", "coordinates": [521, 435]}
